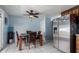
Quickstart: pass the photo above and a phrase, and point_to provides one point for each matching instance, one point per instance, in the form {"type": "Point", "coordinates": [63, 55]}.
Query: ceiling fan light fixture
{"type": "Point", "coordinates": [31, 16]}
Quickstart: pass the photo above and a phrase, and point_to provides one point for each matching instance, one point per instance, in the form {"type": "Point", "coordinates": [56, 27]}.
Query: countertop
{"type": "Point", "coordinates": [77, 34]}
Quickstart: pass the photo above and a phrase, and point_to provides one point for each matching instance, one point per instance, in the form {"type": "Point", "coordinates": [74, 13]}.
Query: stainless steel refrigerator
{"type": "Point", "coordinates": [66, 30]}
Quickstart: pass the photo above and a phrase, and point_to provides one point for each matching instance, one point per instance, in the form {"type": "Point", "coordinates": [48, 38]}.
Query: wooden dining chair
{"type": "Point", "coordinates": [40, 38]}
{"type": "Point", "coordinates": [22, 40]}
{"type": "Point", "coordinates": [17, 38]}
{"type": "Point", "coordinates": [32, 39]}
{"type": "Point", "coordinates": [27, 35]}
{"type": "Point", "coordinates": [18, 41]}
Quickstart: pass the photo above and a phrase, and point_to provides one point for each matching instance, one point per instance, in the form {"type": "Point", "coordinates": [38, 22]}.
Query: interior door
{"type": "Point", "coordinates": [0, 33]}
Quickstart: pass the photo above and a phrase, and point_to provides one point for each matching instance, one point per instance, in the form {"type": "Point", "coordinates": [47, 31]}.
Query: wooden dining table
{"type": "Point", "coordinates": [23, 38]}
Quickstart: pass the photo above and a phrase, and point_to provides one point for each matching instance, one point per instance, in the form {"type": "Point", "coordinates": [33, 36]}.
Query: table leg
{"type": "Point", "coordinates": [20, 44]}
{"type": "Point", "coordinates": [17, 42]}
{"type": "Point", "coordinates": [25, 41]}
{"type": "Point", "coordinates": [29, 42]}
{"type": "Point", "coordinates": [41, 40]}
{"type": "Point", "coordinates": [35, 42]}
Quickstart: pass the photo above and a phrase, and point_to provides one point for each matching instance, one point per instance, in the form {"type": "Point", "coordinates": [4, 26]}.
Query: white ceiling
{"type": "Point", "coordinates": [19, 10]}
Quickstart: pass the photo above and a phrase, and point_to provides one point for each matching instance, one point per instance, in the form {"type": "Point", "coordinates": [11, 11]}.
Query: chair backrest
{"type": "Point", "coordinates": [17, 35]}
{"type": "Point", "coordinates": [39, 32]}
{"type": "Point", "coordinates": [32, 35]}
{"type": "Point", "coordinates": [28, 32]}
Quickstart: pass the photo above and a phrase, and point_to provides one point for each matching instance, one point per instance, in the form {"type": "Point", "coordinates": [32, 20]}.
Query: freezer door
{"type": "Point", "coordinates": [64, 35]}
{"type": "Point", "coordinates": [55, 33]}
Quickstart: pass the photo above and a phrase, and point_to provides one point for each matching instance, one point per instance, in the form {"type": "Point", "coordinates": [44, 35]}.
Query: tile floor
{"type": "Point", "coordinates": [47, 48]}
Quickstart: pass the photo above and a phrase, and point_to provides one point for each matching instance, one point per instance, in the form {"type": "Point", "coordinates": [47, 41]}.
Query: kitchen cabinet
{"type": "Point", "coordinates": [73, 10]}
{"type": "Point", "coordinates": [77, 43]}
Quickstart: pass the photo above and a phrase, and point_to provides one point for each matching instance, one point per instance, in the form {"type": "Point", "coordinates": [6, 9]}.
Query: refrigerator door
{"type": "Point", "coordinates": [55, 33]}
{"type": "Point", "coordinates": [64, 34]}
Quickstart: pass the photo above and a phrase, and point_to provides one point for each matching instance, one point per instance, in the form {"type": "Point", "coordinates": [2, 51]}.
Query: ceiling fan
{"type": "Point", "coordinates": [32, 14]}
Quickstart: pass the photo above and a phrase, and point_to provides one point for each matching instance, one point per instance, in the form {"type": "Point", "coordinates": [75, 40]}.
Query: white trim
{"type": "Point", "coordinates": [42, 27]}
{"type": "Point", "coordinates": [1, 35]}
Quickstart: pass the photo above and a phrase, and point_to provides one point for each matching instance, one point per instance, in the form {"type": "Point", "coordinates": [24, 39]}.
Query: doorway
{"type": "Point", "coordinates": [0, 33]}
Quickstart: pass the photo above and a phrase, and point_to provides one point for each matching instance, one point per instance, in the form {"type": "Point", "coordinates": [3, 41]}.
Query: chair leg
{"type": "Point", "coordinates": [41, 40]}
{"type": "Point", "coordinates": [35, 42]}
{"type": "Point", "coordinates": [29, 45]}
{"type": "Point", "coordinates": [17, 42]}
{"type": "Point", "coordinates": [25, 42]}
{"type": "Point", "coordinates": [20, 44]}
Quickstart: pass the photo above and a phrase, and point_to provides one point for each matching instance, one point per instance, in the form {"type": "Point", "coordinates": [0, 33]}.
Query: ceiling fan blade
{"type": "Point", "coordinates": [27, 11]}
{"type": "Point", "coordinates": [36, 13]}
{"type": "Point", "coordinates": [31, 11]}
{"type": "Point", "coordinates": [36, 16]}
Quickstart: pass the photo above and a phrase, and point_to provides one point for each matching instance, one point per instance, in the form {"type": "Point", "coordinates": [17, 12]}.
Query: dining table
{"type": "Point", "coordinates": [25, 37]}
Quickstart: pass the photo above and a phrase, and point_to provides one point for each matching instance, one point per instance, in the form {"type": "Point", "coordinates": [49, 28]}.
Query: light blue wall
{"type": "Point", "coordinates": [23, 24]}
{"type": "Point", "coordinates": [18, 21]}
{"type": "Point", "coordinates": [48, 27]}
